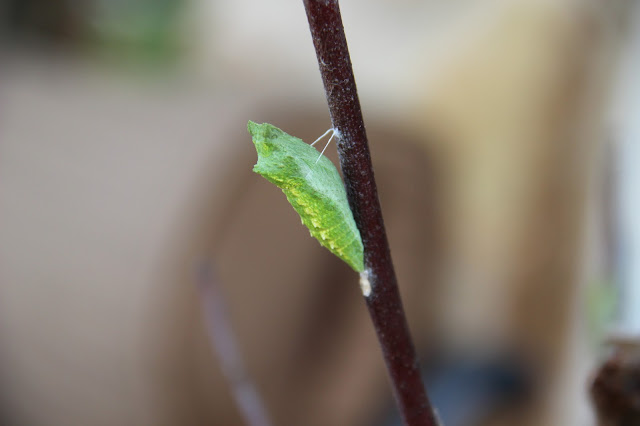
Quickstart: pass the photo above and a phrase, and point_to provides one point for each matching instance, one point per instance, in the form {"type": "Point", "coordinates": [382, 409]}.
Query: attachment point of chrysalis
{"type": "Point", "coordinates": [325, 147]}
{"type": "Point", "coordinates": [333, 133]}
{"type": "Point", "coordinates": [322, 136]}
{"type": "Point", "coordinates": [365, 283]}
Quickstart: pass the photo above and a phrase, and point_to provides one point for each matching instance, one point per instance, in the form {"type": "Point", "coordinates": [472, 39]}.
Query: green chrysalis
{"type": "Point", "coordinates": [312, 186]}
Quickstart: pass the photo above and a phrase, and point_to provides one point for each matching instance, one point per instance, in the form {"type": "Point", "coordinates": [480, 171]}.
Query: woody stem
{"type": "Point", "coordinates": [383, 301]}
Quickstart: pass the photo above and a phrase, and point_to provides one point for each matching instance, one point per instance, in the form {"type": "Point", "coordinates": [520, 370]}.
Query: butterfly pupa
{"type": "Point", "coordinates": [312, 186]}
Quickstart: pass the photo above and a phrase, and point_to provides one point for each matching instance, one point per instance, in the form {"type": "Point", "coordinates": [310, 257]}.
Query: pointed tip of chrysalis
{"type": "Point", "coordinates": [258, 134]}
{"type": "Point", "coordinates": [254, 128]}
{"type": "Point", "coordinates": [262, 132]}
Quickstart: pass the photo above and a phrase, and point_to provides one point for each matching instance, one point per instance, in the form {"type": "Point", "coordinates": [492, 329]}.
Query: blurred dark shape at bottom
{"type": "Point", "coordinates": [467, 391]}
{"type": "Point", "coordinates": [615, 389]}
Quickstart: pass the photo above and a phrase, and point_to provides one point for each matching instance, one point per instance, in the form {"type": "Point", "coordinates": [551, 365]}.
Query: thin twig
{"type": "Point", "coordinates": [223, 342]}
{"type": "Point", "coordinates": [378, 281]}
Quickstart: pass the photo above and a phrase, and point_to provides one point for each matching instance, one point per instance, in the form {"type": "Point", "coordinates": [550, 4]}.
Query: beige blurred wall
{"type": "Point", "coordinates": [97, 178]}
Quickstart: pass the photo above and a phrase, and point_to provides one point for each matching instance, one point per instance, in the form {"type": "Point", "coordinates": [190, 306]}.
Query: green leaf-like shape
{"type": "Point", "coordinates": [314, 189]}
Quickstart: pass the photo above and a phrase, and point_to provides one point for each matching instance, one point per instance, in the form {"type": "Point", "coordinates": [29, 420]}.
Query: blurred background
{"type": "Point", "coordinates": [504, 139]}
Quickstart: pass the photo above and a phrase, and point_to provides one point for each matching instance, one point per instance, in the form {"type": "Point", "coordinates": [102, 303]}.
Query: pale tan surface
{"type": "Point", "coordinates": [96, 178]}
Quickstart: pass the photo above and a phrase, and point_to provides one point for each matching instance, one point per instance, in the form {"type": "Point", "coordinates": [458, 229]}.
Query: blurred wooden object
{"type": "Point", "coordinates": [519, 108]}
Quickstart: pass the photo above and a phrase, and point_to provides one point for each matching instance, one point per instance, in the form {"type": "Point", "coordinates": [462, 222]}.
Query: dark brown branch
{"type": "Point", "coordinates": [385, 306]}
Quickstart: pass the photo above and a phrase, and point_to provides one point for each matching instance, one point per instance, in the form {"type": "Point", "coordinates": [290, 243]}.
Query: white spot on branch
{"type": "Point", "coordinates": [365, 283]}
